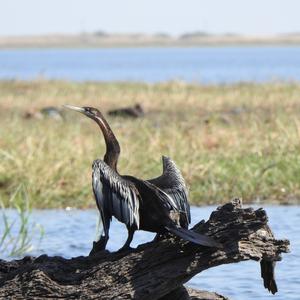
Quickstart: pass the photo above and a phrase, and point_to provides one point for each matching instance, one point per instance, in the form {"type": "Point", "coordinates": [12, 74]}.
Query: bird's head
{"type": "Point", "coordinates": [112, 145]}
{"type": "Point", "coordinates": [90, 112]}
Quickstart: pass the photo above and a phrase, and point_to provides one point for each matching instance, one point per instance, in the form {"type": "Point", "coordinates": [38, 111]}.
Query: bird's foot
{"type": "Point", "coordinates": [98, 246]}
{"type": "Point", "coordinates": [124, 248]}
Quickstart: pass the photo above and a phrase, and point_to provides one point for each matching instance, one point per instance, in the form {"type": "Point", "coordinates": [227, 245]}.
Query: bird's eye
{"type": "Point", "coordinates": [91, 111]}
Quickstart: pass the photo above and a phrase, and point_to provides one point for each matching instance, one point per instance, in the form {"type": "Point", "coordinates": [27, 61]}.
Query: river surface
{"type": "Point", "coordinates": [202, 65]}
{"type": "Point", "coordinates": [70, 233]}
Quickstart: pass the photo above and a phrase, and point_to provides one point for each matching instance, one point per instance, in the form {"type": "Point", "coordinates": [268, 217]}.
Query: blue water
{"type": "Point", "coordinates": [70, 233]}
{"type": "Point", "coordinates": [204, 65]}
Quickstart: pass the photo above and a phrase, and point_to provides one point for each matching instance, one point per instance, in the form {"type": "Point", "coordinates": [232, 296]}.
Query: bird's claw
{"type": "Point", "coordinates": [124, 248]}
{"type": "Point", "coordinates": [98, 246]}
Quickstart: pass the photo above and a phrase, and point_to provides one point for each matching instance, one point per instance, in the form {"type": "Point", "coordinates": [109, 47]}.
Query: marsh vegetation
{"type": "Point", "coordinates": [17, 233]}
{"type": "Point", "coordinates": [232, 140]}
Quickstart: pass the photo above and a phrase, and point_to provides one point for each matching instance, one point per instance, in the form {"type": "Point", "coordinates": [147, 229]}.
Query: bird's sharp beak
{"type": "Point", "coordinates": [76, 108]}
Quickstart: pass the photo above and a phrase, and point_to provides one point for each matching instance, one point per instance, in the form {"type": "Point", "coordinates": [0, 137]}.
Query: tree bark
{"type": "Point", "coordinates": [156, 270]}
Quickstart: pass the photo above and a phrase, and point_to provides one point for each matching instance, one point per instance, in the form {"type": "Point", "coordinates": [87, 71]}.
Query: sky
{"type": "Point", "coordinates": [248, 17]}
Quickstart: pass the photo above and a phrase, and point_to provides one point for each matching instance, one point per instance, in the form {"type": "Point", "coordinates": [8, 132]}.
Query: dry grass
{"type": "Point", "coordinates": [240, 140]}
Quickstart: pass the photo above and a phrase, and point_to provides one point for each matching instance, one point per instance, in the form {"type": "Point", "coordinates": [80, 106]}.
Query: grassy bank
{"type": "Point", "coordinates": [240, 140]}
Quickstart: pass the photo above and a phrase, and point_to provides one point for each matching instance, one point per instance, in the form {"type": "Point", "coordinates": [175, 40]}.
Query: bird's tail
{"type": "Point", "coordinates": [194, 237]}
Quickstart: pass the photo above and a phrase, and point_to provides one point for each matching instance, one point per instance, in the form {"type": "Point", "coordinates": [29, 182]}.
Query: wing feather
{"type": "Point", "coordinates": [166, 200]}
{"type": "Point", "coordinates": [172, 183]}
{"type": "Point", "coordinates": [98, 193]}
{"type": "Point", "coordinates": [118, 198]}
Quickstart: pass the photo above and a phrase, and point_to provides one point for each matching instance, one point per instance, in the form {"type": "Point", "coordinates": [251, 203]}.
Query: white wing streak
{"type": "Point", "coordinates": [115, 196]}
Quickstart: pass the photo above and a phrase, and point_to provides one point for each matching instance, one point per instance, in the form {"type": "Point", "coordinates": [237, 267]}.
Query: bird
{"type": "Point", "coordinates": [157, 205]}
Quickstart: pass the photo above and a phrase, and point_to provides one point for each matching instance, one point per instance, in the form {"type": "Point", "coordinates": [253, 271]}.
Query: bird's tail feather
{"type": "Point", "coordinates": [193, 237]}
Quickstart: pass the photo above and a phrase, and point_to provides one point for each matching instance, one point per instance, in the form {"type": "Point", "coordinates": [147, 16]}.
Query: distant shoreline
{"type": "Point", "coordinates": [102, 40]}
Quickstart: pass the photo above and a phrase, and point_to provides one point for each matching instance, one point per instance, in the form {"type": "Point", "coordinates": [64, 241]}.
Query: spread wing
{"type": "Point", "coordinates": [172, 183]}
{"type": "Point", "coordinates": [165, 199]}
{"type": "Point", "coordinates": [115, 196]}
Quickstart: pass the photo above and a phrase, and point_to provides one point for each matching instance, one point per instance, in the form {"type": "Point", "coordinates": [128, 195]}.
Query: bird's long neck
{"type": "Point", "coordinates": [112, 145]}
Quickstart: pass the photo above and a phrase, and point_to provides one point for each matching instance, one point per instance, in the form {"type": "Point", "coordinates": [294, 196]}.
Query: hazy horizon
{"type": "Point", "coordinates": [132, 33]}
{"type": "Point", "coordinates": [248, 18]}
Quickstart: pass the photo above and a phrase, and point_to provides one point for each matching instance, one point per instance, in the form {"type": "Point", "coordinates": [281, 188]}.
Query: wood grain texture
{"type": "Point", "coordinates": [155, 270]}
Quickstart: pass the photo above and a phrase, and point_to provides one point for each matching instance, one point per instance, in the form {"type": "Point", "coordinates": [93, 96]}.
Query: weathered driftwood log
{"type": "Point", "coordinates": [155, 270]}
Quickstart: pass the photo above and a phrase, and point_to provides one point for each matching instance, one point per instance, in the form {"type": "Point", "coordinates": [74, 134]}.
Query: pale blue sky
{"type": "Point", "coordinates": [251, 17]}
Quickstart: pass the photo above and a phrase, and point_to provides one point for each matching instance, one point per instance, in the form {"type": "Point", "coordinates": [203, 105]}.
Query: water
{"type": "Point", "coordinates": [205, 65]}
{"type": "Point", "coordinates": [70, 233]}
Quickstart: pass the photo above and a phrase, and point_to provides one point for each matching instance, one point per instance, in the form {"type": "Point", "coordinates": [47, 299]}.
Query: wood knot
{"type": "Point", "coordinates": [237, 202]}
{"type": "Point", "coordinates": [231, 206]}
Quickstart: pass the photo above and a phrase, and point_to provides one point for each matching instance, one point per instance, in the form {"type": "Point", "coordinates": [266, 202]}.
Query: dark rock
{"type": "Point", "coordinates": [46, 112]}
{"type": "Point", "coordinates": [135, 111]}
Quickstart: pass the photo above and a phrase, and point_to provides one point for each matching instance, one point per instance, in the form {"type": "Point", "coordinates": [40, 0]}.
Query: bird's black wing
{"type": "Point", "coordinates": [172, 183]}
{"type": "Point", "coordinates": [115, 196]}
{"type": "Point", "coordinates": [166, 208]}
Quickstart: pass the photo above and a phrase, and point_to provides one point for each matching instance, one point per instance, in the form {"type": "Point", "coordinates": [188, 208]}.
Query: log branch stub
{"type": "Point", "coordinates": [153, 270]}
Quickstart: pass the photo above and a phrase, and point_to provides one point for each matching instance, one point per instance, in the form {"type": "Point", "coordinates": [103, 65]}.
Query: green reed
{"type": "Point", "coordinates": [18, 232]}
